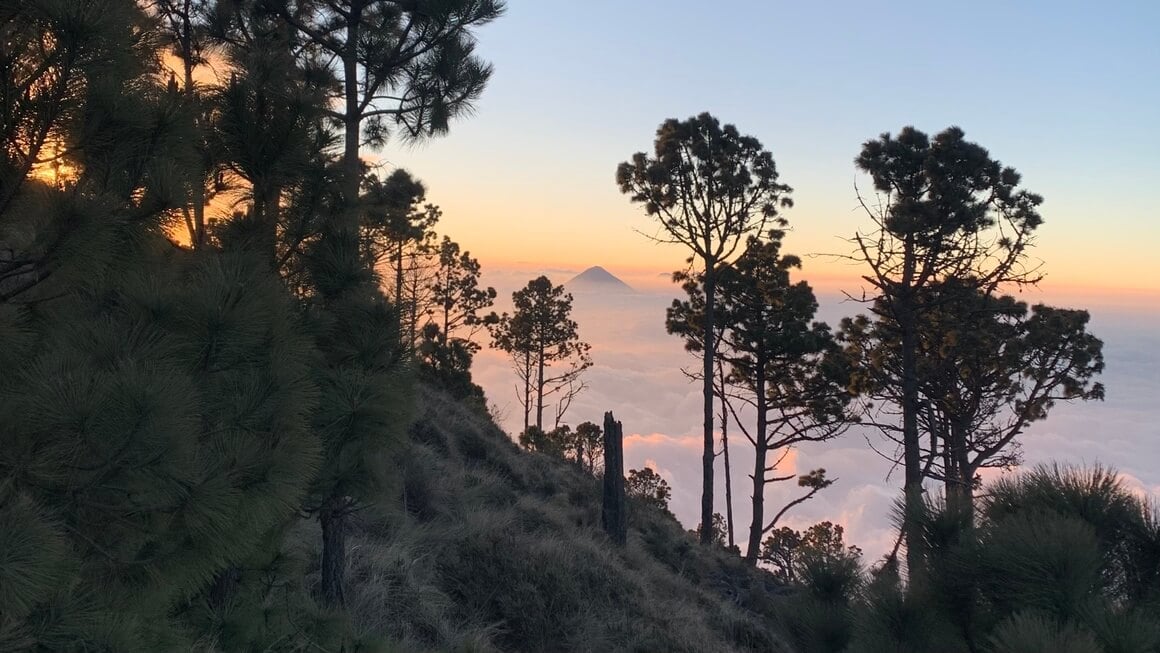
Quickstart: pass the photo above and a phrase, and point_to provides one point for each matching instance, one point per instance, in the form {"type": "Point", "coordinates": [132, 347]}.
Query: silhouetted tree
{"type": "Point", "coordinates": [157, 402]}
{"type": "Point", "coordinates": [786, 367]}
{"type": "Point", "coordinates": [786, 549]}
{"type": "Point", "coordinates": [183, 28]}
{"type": "Point", "coordinates": [988, 368]}
{"type": "Point", "coordinates": [540, 333]}
{"type": "Point", "coordinates": [391, 64]}
{"type": "Point", "coordinates": [84, 129]}
{"type": "Point", "coordinates": [718, 533]}
{"type": "Point", "coordinates": [585, 446]}
{"type": "Point", "coordinates": [447, 363]}
{"type": "Point", "coordinates": [721, 396]}
{"type": "Point", "coordinates": [534, 438]}
{"type": "Point", "coordinates": [413, 64]}
{"type": "Point", "coordinates": [457, 298]}
{"type": "Point", "coordinates": [398, 225]}
{"type": "Point", "coordinates": [649, 487]}
{"type": "Point", "coordinates": [265, 126]}
{"type": "Point", "coordinates": [709, 187]}
{"type": "Point", "coordinates": [946, 210]}
{"type": "Point", "coordinates": [779, 551]}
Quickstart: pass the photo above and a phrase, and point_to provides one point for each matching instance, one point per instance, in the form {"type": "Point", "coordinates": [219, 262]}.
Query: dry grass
{"type": "Point", "coordinates": [485, 547]}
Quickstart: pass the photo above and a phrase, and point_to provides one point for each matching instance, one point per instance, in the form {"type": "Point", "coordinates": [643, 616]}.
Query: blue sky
{"type": "Point", "coordinates": [1066, 92]}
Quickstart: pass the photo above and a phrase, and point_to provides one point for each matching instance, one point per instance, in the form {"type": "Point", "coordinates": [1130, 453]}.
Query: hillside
{"type": "Point", "coordinates": [485, 547]}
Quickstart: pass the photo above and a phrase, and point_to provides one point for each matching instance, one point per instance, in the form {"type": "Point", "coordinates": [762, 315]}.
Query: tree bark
{"type": "Point", "coordinates": [527, 389]}
{"type": "Point", "coordinates": [540, 386]}
{"type": "Point", "coordinates": [911, 447]}
{"type": "Point", "coordinates": [708, 456]}
{"type": "Point", "coordinates": [725, 453]}
{"type": "Point", "coordinates": [399, 274]}
{"type": "Point", "coordinates": [757, 526]}
{"type": "Point", "coordinates": [964, 480]}
{"type": "Point", "coordinates": [346, 232]}
{"type": "Point", "coordinates": [613, 516]}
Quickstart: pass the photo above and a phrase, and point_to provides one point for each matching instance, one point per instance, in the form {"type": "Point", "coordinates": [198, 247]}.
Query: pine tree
{"type": "Point", "coordinates": [458, 298]}
{"type": "Point", "coordinates": [788, 551]}
{"type": "Point", "coordinates": [183, 26]}
{"type": "Point", "coordinates": [389, 61]}
{"type": "Point", "coordinates": [782, 364]}
{"type": "Point", "coordinates": [946, 210]}
{"type": "Point", "coordinates": [395, 65]}
{"type": "Point", "coordinates": [398, 226]}
{"type": "Point", "coordinates": [365, 398]}
{"type": "Point", "coordinates": [585, 447]}
{"type": "Point", "coordinates": [710, 187]}
{"type": "Point", "coordinates": [649, 487]}
{"type": "Point", "coordinates": [544, 344]}
{"type": "Point", "coordinates": [989, 367]}
{"type": "Point", "coordinates": [158, 401]}
{"type": "Point", "coordinates": [265, 124]}
{"type": "Point", "coordinates": [76, 81]}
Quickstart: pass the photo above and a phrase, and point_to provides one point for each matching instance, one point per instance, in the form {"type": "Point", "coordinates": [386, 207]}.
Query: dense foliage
{"type": "Point", "coordinates": [170, 411]}
{"type": "Point", "coordinates": [1058, 559]}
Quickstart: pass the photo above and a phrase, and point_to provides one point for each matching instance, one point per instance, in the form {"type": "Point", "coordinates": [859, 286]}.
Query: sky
{"type": "Point", "coordinates": [1065, 92]}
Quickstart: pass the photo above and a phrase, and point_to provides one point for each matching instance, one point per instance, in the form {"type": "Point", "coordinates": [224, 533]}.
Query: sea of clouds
{"type": "Point", "coordinates": [637, 374]}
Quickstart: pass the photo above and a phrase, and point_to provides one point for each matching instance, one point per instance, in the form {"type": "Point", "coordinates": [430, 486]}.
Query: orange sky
{"type": "Point", "coordinates": [602, 228]}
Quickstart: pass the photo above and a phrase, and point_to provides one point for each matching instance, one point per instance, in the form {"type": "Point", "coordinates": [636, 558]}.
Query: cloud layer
{"type": "Point", "coordinates": [638, 376]}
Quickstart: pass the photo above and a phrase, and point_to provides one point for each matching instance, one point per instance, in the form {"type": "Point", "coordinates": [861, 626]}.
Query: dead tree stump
{"type": "Point", "coordinates": [613, 514]}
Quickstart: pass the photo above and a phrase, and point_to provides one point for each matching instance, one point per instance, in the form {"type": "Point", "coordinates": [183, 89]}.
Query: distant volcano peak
{"type": "Point", "coordinates": [597, 278]}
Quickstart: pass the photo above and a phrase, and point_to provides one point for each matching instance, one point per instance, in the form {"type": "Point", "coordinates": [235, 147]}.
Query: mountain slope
{"type": "Point", "coordinates": [485, 547]}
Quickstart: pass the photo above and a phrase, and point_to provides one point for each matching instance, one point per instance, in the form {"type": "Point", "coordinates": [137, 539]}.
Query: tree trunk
{"type": "Point", "coordinates": [399, 275]}
{"type": "Point", "coordinates": [613, 516]}
{"type": "Point", "coordinates": [938, 432]}
{"type": "Point", "coordinates": [725, 454]}
{"type": "Point", "coordinates": [345, 233]}
{"type": "Point", "coordinates": [708, 455]}
{"type": "Point", "coordinates": [413, 318]}
{"type": "Point", "coordinates": [540, 386]}
{"type": "Point", "coordinates": [527, 390]}
{"type": "Point", "coordinates": [352, 123]}
{"type": "Point", "coordinates": [332, 517]}
{"type": "Point", "coordinates": [965, 474]}
{"type": "Point", "coordinates": [197, 187]}
{"type": "Point", "coordinates": [911, 447]}
{"type": "Point", "coordinates": [263, 228]}
{"type": "Point", "coordinates": [757, 525]}
{"type": "Point", "coordinates": [447, 304]}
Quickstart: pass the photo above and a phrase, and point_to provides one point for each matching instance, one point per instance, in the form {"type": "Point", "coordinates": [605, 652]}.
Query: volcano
{"type": "Point", "coordinates": [597, 278]}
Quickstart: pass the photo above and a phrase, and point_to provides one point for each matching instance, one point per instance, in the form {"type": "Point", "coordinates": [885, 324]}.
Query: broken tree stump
{"type": "Point", "coordinates": [613, 514]}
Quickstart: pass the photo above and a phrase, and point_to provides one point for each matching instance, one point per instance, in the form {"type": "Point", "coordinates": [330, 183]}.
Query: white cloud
{"type": "Point", "coordinates": [637, 375]}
